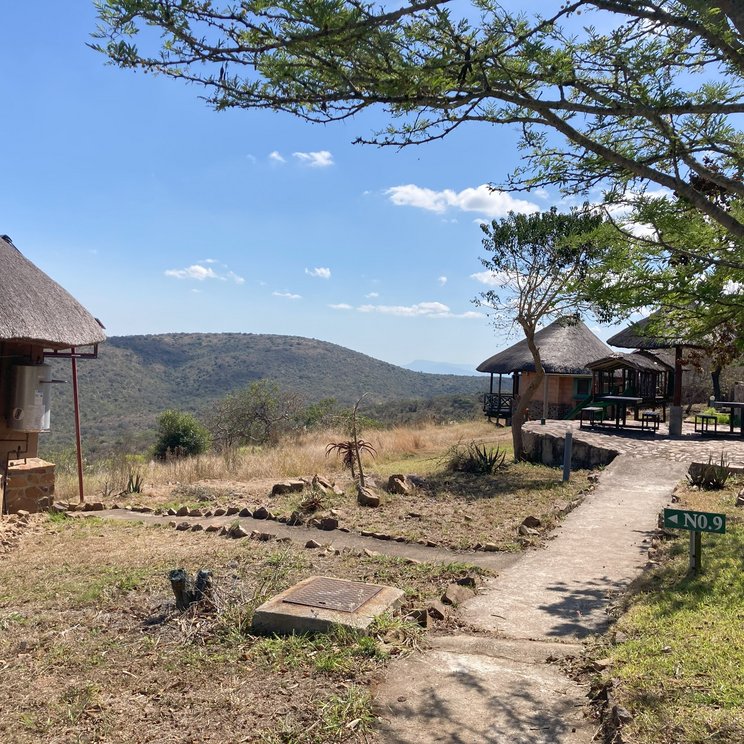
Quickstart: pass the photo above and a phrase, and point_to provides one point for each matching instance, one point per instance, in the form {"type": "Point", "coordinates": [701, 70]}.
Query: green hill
{"type": "Point", "coordinates": [137, 377]}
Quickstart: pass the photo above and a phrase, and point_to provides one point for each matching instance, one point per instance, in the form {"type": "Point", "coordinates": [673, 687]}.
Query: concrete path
{"type": "Point", "coordinates": [497, 688]}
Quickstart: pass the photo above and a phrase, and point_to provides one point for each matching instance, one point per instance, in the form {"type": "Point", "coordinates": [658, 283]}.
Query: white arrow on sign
{"type": "Point", "coordinates": [673, 518]}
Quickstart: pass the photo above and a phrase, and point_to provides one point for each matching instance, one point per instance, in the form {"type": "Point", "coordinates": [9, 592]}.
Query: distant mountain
{"type": "Point", "coordinates": [440, 368]}
{"type": "Point", "coordinates": [135, 378]}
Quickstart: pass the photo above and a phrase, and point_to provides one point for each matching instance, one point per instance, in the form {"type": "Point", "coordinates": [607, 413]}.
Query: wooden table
{"type": "Point", "coordinates": [733, 406]}
{"type": "Point", "coordinates": [620, 403]}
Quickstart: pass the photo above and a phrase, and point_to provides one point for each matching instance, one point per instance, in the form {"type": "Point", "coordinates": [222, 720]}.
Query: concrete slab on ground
{"type": "Point", "coordinates": [479, 690]}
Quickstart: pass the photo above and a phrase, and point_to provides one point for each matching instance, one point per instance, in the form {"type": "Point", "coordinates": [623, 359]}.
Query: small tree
{"type": "Point", "coordinates": [538, 261]}
{"type": "Point", "coordinates": [257, 414]}
{"type": "Point", "coordinates": [180, 435]}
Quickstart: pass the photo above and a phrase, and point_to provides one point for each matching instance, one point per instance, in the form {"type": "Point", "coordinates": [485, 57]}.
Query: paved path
{"type": "Point", "coordinates": [497, 688]}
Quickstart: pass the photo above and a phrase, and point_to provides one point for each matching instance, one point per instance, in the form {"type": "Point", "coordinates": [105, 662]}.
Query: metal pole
{"type": "Point", "coordinates": [78, 444]}
{"type": "Point", "coordinates": [567, 451]}
{"type": "Point", "coordinates": [696, 547]}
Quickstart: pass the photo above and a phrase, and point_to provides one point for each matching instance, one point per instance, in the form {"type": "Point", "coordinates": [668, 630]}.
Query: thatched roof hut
{"type": "Point", "coordinates": [639, 336]}
{"type": "Point", "coordinates": [566, 347]}
{"type": "Point", "coordinates": [35, 309]}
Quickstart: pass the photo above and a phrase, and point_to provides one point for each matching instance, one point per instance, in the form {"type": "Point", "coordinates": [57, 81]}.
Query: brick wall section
{"type": "Point", "coordinates": [30, 485]}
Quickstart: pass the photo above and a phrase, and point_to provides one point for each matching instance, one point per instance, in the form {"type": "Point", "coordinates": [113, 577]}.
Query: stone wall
{"type": "Point", "coordinates": [30, 485]}
{"type": "Point", "coordinates": [548, 449]}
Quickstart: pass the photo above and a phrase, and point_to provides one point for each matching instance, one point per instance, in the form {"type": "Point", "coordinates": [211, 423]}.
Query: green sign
{"type": "Point", "coordinates": [680, 519]}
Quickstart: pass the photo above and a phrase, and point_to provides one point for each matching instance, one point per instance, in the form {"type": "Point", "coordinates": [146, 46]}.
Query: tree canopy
{"type": "Point", "coordinates": [639, 99]}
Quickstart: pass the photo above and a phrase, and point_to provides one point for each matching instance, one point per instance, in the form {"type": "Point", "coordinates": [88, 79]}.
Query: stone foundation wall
{"type": "Point", "coordinates": [30, 485]}
{"type": "Point", "coordinates": [548, 449]}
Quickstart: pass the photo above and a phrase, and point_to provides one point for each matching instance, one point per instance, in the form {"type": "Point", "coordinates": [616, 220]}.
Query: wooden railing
{"type": "Point", "coordinates": [498, 405]}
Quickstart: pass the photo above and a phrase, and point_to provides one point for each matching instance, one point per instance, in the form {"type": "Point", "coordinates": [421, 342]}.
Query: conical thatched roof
{"type": "Point", "coordinates": [638, 360]}
{"type": "Point", "coordinates": [36, 309]}
{"type": "Point", "coordinates": [566, 346]}
{"type": "Point", "coordinates": [639, 336]}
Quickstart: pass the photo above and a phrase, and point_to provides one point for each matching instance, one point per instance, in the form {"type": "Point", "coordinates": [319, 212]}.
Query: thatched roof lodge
{"type": "Point", "coordinates": [566, 347]}
{"type": "Point", "coordinates": [38, 318]}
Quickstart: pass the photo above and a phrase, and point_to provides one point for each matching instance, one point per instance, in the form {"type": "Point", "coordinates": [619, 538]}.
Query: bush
{"type": "Point", "coordinates": [474, 458]}
{"type": "Point", "coordinates": [711, 476]}
{"type": "Point", "coordinates": [180, 435]}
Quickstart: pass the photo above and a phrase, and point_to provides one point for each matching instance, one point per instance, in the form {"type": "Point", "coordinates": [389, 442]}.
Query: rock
{"type": "Point", "coordinates": [561, 507]}
{"type": "Point", "coordinates": [366, 533]}
{"type": "Point", "coordinates": [620, 637]}
{"type": "Point", "coordinates": [183, 526]}
{"type": "Point", "coordinates": [400, 539]}
{"type": "Point", "coordinates": [58, 507]}
{"type": "Point", "coordinates": [245, 512]}
{"type": "Point", "coordinates": [593, 477]}
{"type": "Point", "coordinates": [295, 518]}
{"type": "Point", "coordinates": [283, 540]}
{"type": "Point", "coordinates": [437, 610]}
{"type": "Point", "coordinates": [208, 513]}
{"type": "Point", "coordinates": [262, 536]}
{"type": "Point", "coordinates": [398, 483]}
{"type": "Point", "coordinates": [183, 511]}
{"type": "Point", "coordinates": [431, 544]}
{"type": "Point", "coordinates": [468, 581]}
{"type": "Point", "coordinates": [417, 480]}
{"type": "Point", "coordinates": [237, 532]}
{"type": "Point", "coordinates": [197, 527]}
{"type": "Point", "coordinates": [420, 616]}
{"type": "Point", "coordinates": [620, 715]}
{"type": "Point", "coordinates": [196, 513]}
{"type": "Point", "coordinates": [370, 553]}
{"type": "Point", "coordinates": [312, 544]}
{"type": "Point", "coordinates": [172, 523]}
{"type": "Point", "coordinates": [290, 486]}
{"type": "Point", "coordinates": [532, 522]}
{"type": "Point", "coordinates": [212, 528]}
{"type": "Point", "coordinates": [740, 498]}
{"type": "Point", "coordinates": [412, 561]}
{"type": "Point", "coordinates": [319, 480]}
{"type": "Point", "coordinates": [599, 665]}
{"type": "Point", "coordinates": [220, 512]}
{"type": "Point", "coordinates": [367, 497]}
{"type": "Point", "coordinates": [491, 548]}
{"type": "Point", "coordinates": [261, 513]}
{"type": "Point", "coordinates": [338, 490]}
{"type": "Point", "coordinates": [455, 594]}
{"type": "Point", "coordinates": [172, 512]}
{"type": "Point", "coordinates": [231, 510]}
{"type": "Point", "coordinates": [414, 515]}
{"type": "Point", "coordinates": [381, 536]}
{"type": "Point", "coordinates": [328, 523]}
{"type": "Point", "coordinates": [527, 531]}
{"type": "Point", "coordinates": [313, 522]}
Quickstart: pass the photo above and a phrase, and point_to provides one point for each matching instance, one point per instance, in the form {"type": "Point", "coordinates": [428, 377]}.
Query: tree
{"type": "Point", "coordinates": [654, 99]}
{"type": "Point", "coordinates": [257, 414]}
{"type": "Point", "coordinates": [539, 261]}
{"type": "Point", "coordinates": [180, 435]}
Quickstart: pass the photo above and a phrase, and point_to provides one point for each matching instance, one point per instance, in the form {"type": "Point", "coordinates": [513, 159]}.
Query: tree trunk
{"type": "Point", "coordinates": [525, 397]}
{"type": "Point", "coordinates": [715, 376]}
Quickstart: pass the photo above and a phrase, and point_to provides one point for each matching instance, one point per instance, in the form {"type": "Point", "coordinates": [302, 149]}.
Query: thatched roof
{"type": "Point", "coordinates": [565, 348]}
{"type": "Point", "coordinates": [638, 360]}
{"type": "Point", "coordinates": [639, 336]}
{"type": "Point", "coordinates": [36, 309]}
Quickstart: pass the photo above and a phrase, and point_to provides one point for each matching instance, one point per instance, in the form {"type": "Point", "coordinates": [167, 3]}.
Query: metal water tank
{"type": "Point", "coordinates": [29, 399]}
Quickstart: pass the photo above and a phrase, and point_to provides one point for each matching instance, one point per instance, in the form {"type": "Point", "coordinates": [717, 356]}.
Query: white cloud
{"type": "Point", "coordinates": [372, 295]}
{"type": "Point", "coordinates": [320, 272]}
{"type": "Point", "coordinates": [421, 309]}
{"type": "Point", "coordinates": [287, 295]}
{"type": "Point", "coordinates": [197, 271]}
{"type": "Point", "coordinates": [442, 280]}
{"type": "Point", "coordinates": [341, 306]}
{"type": "Point", "coordinates": [200, 271]}
{"type": "Point", "coordinates": [276, 157]}
{"type": "Point", "coordinates": [492, 278]}
{"type": "Point", "coordinates": [319, 159]}
{"type": "Point", "coordinates": [482, 199]}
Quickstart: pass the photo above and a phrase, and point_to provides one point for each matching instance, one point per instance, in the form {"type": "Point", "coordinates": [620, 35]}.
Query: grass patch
{"type": "Point", "coordinates": [679, 670]}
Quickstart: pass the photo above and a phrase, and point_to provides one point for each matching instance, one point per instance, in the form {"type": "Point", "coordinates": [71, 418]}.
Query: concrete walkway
{"type": "Point", "coordinates": [497, 687]}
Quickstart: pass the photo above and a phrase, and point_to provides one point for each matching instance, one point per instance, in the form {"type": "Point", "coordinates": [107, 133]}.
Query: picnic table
{"type": "Point", "coordinates": [620, 403]}
{"type": "Point", "coordinates": [733, 406]}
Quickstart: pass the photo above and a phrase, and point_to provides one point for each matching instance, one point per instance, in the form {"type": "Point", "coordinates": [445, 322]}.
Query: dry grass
{"type": "Point", "coordinates": [92, 649]}
{"type": "Point", "coordinates": [298, 456]}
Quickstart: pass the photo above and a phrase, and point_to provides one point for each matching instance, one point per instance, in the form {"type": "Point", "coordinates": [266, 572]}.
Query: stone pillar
{"type": "Point", "coordinates": [30, 485]}
{"type": "Point", "coordinates": [675, 421]}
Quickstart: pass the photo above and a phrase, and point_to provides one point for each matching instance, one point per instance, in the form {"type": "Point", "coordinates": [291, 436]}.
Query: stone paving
{"type": "Point", "coordinates": [689, 447]}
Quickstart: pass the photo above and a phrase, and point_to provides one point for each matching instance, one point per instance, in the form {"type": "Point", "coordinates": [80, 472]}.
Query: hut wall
{"type": "Point", "coordinates": [10, 440]}
{"type": "Point", "coordinates": [561, 395]}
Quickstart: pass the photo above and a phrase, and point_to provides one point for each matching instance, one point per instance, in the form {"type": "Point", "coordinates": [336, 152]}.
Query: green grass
{"type": "Point", "coordinates": [680, 669]}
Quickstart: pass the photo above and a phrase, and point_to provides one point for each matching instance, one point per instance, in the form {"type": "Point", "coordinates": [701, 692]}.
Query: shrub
{"type": "Point", "coordinates": [474, 458]}
{"type": "Point", "coordinates": [180, 435]}
{"type": "Point", "coordinates": [711, 476]}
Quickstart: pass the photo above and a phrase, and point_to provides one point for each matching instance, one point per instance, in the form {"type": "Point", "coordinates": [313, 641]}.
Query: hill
{"type": "Point", "coordinates": [137, 377]}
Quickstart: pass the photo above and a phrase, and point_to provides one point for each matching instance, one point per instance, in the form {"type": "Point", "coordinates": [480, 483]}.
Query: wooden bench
{"type": "Point", "coordinates": [704, 420]}
{"type": "Point", "coordinates": [650, 421]}
{"type": "Point", "coordinates": [594, 415]}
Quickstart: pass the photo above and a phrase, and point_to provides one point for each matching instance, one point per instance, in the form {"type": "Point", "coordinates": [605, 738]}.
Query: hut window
{"type": "Point", "coordinates": [582, 387]}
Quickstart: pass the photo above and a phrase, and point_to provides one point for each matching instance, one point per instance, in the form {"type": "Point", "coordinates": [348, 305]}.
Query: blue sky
{"type": "Point", "coordinates": [161, 215]}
